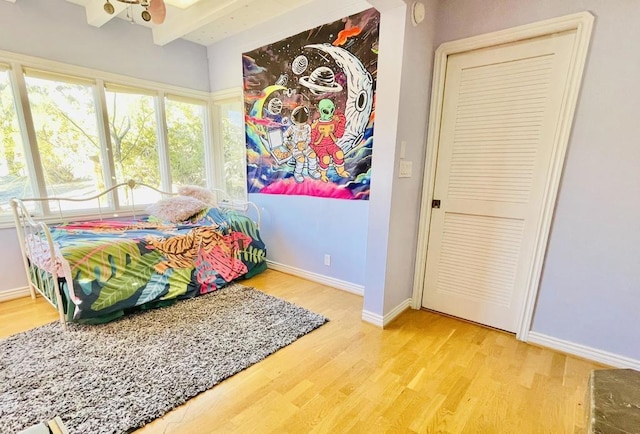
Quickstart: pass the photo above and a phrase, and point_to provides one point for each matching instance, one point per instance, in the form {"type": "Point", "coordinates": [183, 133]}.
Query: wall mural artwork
{"type": "Point", "coordinates": [309, 110]}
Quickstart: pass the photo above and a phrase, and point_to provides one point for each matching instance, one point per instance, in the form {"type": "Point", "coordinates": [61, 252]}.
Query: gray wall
{"type": "Point", "coordinates": [12, 274]}
{"type": "Point", "coordinates": [58, 30]}
{"type": "Point", "coordinates": [590, 289]}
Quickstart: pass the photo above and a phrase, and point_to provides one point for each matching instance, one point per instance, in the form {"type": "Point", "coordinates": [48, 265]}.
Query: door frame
{"type": "Point", "coordinates": [582, 23]}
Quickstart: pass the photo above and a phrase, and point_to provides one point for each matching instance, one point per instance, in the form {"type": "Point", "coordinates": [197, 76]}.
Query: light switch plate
{"type": "Point", "coordinates": [405, 169]}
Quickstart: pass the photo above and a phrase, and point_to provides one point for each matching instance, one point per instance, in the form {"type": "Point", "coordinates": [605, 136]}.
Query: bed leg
{"type": "Point", "coordinates": [56, 288]}
{"type": "Point", "coordinates": [63, 320]}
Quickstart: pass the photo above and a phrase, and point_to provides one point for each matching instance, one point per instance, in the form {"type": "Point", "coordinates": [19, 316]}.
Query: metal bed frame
{"type": "Point", "coordinates": [35, 237]}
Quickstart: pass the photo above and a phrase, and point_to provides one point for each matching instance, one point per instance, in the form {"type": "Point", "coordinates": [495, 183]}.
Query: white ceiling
{"type": "Point", "coordinates": [205, 22]}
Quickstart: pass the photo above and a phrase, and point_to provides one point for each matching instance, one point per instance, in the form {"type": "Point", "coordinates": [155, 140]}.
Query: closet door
{"type": "Point", "coordinates": [501, 111]}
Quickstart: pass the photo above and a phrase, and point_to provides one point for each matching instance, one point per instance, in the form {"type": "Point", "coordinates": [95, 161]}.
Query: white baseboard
{"type": "Point", "coordinates": [373, 318]}
{"type": "Point", "coordinates": [12, 294]}
{"type": "Point", "coordinates": [611, 359]}
{"type": "Point", "coordinates": [314, 277]}
{"type": "Point", "coordinates": [382, 321]}
{"type": "Point", "coordinates": [367, 316]}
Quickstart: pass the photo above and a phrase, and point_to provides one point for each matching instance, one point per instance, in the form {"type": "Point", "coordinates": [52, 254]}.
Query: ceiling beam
{"type": "Point", "coordinates": [198, 15]}
{"type": "Point", "coordinates": [385, 5]}
{"type": "Point", "coordinates": [97, 16]}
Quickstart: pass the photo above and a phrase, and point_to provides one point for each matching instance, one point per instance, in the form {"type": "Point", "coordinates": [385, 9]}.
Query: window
{"type": "Point", "coordinates": [14, 176]}
{"type": "Point", "coordinates": [230, 134]}
{"type": "Point", "coordinates": [185, 135]}
{"type": "Point", "coordinates": [85, 130]}
{"type": "Point", "coordinates": [64, 119]}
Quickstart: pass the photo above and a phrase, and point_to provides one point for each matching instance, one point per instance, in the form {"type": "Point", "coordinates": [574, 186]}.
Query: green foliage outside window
{"type": "Point", "coordinates": [185, 124]}
{"type": "Point", "coordinates": [132, 126]}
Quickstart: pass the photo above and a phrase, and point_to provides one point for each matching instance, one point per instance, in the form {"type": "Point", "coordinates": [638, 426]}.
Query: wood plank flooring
{"type": "Point", "coordinates": [425, 373]}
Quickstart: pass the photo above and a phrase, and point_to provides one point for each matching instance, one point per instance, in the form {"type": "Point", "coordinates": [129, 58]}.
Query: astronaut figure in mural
{"type": "Point", "coordinates": [325, 132]}
{"type": "Point", "coordinates": [297, 138]}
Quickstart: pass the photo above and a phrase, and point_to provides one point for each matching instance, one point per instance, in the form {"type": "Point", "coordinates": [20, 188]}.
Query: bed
{"type": "Point", "coordinates": [98, 270]}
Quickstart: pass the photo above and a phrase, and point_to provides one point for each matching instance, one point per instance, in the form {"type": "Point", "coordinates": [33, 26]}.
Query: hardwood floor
{"type": "Point", "coordinates": [425, 373]}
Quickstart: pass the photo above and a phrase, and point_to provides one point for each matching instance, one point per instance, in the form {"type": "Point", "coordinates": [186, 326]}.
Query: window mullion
{"type": "Point", "coordinates": [104, 131]}
{"type": "Point", "coordinates": [218, 146]}
{"type": "Point", "coordinates": [163, 143]}
{"type": "Point", "coordinates": [28, 132]}
{"type": "Point", "coordinates": [213, 151]}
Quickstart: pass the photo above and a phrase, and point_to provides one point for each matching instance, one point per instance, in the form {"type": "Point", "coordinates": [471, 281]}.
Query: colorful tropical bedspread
{"type": "Point", "coordinates": [118, 265]}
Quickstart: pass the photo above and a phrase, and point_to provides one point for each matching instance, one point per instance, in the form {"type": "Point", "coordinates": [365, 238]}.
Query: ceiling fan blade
{"type": "Point", "coordinates": [158, 11]}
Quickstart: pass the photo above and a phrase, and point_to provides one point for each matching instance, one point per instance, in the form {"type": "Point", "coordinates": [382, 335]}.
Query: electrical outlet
{"type": "Point", "coordinates": [327, 260]}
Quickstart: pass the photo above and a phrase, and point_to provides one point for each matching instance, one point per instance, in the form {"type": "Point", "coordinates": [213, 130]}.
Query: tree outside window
{"type": "Point", "coordinates": [185, 134]}
{"type": "Point", "coordinates": [65, 122]}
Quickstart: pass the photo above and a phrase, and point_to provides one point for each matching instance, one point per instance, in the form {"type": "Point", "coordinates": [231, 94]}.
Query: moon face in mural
{"type": "Point", "coordinates": [360, 94]}
{"type": "Point", "coordinates": [321, 80]}
{"type": "Point", "coordinates": [299, 64]}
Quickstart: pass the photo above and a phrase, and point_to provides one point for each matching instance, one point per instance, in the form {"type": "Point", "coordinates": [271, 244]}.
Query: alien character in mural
{"type": "Point", "coordinates": [359, 103]}
{"type": "Point", "coordinates": [297, 139]}
{"type": "Point", "coordinates": [325, 132]}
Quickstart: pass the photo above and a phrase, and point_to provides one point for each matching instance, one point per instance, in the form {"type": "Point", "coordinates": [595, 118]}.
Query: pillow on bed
{"type": "Point", "coordinates": [176, 209]}
{"type": "Point", "coordinates": [203, 194]}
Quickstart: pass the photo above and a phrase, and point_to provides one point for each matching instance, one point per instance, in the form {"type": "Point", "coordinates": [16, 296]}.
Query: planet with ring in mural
{"type": "Point", "coordinates": [321, 80]}
{"type": "Point", "coordinates": [275, 106]}
{"type": "Point", "coordinates": [299, 64]}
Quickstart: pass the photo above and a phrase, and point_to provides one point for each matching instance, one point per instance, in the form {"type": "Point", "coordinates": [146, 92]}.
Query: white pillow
{"type": "Point", "coordinates": [204, 194]}
{"type": "Point", "coordinates": [176, 209]}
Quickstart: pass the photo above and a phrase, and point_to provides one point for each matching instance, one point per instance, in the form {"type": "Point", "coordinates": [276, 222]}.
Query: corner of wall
{"type": "Point", "coordinates": [383, 320]}
{"type": "Point", "coordinates": [390, 59]}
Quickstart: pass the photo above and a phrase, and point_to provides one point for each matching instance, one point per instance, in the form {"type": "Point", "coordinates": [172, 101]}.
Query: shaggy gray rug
{"type": "Point", "coordinates": [116, 377]}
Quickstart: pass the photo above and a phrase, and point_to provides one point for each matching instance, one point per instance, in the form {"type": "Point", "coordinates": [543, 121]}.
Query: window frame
{"type": "Point", "coordinates": [39, 74]}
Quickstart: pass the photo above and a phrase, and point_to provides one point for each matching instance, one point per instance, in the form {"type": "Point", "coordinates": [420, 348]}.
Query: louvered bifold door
{"type": "Point", "coordinates": [500, 113]}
